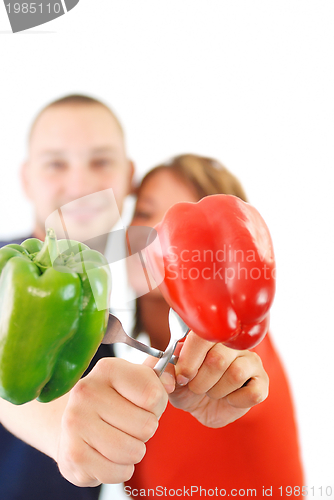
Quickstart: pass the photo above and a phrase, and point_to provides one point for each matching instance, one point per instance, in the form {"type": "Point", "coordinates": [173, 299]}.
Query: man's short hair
{"type": "Point", "coordinates": [75, 100]}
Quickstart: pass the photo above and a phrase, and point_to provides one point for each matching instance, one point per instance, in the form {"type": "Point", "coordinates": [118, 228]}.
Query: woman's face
{"type": "Point", "coordinates": [158, 193]}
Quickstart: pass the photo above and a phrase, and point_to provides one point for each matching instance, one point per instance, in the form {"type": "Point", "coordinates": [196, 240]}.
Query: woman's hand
{"type": "Point", "coordinates": [109, 416]}
{"type": "Point", "coordinates": [216, 384]}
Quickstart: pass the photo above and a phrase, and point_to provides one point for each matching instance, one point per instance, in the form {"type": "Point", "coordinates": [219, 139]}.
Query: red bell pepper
{"type": "Point", "coordinates": [218, 268]}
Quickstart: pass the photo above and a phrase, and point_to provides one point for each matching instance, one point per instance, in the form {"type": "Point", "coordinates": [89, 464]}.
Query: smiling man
{"type": "Point", "coordinates": [77, 148]}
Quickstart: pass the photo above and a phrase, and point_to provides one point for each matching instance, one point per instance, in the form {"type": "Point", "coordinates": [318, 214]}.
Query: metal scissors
{"type": "Point", "coordinates": [178, 330]}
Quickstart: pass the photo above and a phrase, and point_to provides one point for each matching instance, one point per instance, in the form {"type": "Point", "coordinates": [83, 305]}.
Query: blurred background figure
{"type": "Point", "coordinates": [261, 450]}
{"type": "Point", "coordinates": [76, 150]}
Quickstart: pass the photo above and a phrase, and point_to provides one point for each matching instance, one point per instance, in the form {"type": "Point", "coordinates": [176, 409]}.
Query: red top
{"type": "Point", "coordinates": [259, 450]}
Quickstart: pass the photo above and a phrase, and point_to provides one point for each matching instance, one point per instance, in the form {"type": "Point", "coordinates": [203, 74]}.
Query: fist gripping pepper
{"type": "Point", "coordinates": [218, 268]}
{"type": "Point", "coordinates": [53, 314]}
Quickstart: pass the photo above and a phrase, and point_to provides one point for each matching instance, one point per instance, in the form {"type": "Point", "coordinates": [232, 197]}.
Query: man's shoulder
{"type": "Point", "coordinates": [14, 240]}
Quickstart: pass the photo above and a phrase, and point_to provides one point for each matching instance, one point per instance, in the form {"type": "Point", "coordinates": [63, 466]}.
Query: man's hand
{"type": "Point", "coordinates": [217, 385]}
{"type": "Point", "coordinates": [110, 415]}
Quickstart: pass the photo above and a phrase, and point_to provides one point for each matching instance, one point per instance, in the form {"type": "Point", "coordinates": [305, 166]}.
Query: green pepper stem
{"type": "Point", "coordinates": [49, 251]}
{"type": "Point", "coordinates": [52, 245]}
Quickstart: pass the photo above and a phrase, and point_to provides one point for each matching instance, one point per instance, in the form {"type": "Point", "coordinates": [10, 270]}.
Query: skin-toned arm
{"type": "Point", "coordinates": [98, 431]}
{"type": "Point", "coordinates": [217, 385]}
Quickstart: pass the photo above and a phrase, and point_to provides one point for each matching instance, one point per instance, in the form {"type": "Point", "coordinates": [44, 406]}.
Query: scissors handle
{"type": "Point", "coordinates": [178, 330]}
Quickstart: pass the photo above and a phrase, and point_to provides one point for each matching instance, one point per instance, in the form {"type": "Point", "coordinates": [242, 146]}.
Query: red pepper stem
{"type": "Point", "coordinates": [49, 251]}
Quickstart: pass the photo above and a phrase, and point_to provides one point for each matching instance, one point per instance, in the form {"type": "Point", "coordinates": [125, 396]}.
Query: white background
{"type": "Point", "coordinates": [248, 82]}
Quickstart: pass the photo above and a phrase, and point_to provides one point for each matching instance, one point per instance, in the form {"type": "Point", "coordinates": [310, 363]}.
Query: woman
{"type": "Point", "coordinates": [260, 451]}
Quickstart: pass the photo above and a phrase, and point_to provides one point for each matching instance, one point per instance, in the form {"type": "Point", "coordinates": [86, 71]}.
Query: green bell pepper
{"type": "Point", "coordinates": [54, 300]}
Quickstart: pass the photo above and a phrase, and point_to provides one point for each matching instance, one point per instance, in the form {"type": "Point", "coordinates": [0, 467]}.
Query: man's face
{"type": "Point", "coordinates": [75, 151]}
